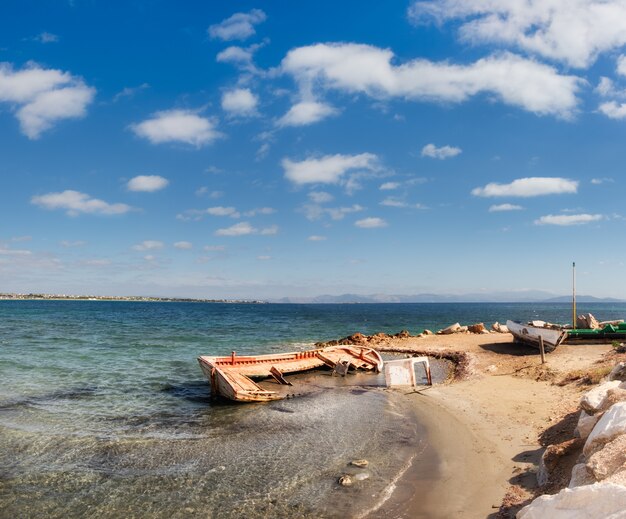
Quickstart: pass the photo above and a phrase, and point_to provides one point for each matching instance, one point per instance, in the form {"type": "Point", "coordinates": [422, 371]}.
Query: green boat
{"type": "Point", "coordinates": [609, 333]}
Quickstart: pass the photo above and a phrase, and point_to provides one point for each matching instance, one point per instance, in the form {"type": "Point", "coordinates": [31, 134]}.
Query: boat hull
{"type": "Point", "coordinates": [531, 335]}
{"type": "Point", "coordinates": [231, 377]}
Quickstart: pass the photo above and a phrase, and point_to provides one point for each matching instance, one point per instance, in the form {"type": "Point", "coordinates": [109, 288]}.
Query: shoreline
{"type": "Point", "coordinates": [485, 431]}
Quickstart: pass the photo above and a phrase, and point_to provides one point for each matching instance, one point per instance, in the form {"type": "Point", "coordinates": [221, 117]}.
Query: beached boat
{"type": "Point", "coordinates": [231, 377]}
{"type": "Point", "coordinates": [531, 335]}
{"type": "Point", "coordinates": [608, 333]}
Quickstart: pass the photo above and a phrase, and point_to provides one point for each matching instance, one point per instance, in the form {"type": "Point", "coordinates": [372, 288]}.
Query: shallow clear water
{"type": "Point", "coordinates": [104, 410]}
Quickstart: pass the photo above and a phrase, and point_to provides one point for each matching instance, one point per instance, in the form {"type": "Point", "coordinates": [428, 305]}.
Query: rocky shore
{"type": "Point", "coordinates": [524, 426]}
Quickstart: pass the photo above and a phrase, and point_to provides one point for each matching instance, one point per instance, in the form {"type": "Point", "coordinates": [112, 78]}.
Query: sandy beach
{"type": "Point", "coordinates": [489, 429]}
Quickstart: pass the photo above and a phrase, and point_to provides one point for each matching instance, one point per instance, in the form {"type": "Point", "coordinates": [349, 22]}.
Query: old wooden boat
{"type": "Point", "coordinates": [531, 335]}
{"type": "Point", "coordinates": [231, 376]}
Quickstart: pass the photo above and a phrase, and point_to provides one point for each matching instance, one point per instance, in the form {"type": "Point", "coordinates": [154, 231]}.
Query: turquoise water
{"type": "Point", "coordinates": [104, 411]}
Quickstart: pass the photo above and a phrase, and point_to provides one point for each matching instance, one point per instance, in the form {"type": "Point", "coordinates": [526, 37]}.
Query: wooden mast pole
{"type": "Point", "coordinates": [574, 295]}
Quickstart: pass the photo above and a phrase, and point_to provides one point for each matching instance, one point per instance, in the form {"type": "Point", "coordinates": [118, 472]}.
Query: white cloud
{"type": "Point", "coordinates": [5, 251]}
{"type": "Point", "coordinates": [214, 248]}
{"type": "Point", "coordinates": [572, 31]}
{"type": "Point", "coordinates": [147, 183]}
{"type": "Point", "coordinates": [239, 229]}
{"type": "Point", "coordinates": [393, 202]}
{"type": "Point", "coordinates": [305, 113]}
{"type": "Point", "coordinates": [389, 186]}
{"type": "Point", "coordinates": [315, 212]}
{"type": "Point", "coordinates": [569, 219]}
{"type": "Point", "coordinates": [222, 211]}
{"type": "Point", "coordinates": [371, 223]}
{"type": "Point", "coordinates": [269, 231]}
{"type": "Point", "coordinates": [241, 58]}
{"type": "Point", "coordinates": [320, 197]}
{"type": "Point", "coordinates": [197, 214]}
{"type": "Point", "coordinates": [148, 245]}
{"type": "Point", "coordinates": [183, 245]}
{"type": "Point", "coordinates": [244, 228]}
{"type": "Point", "coordinates": [239, 102]}
{"type": "Point", "coordinates": [355, 68]}
{"type": "Point", "coordinates": [177, 126]}
{"type": "Point", "coordinates": [235, 55]}
{"type": "Point", "coordinates": [42, 97]}
{"type": "Point", "coordinates": [505, 207]}
{"type": "Point", "coordinates": [613, 110]}
{"type": "Point", "coordinates": [46, 37]}
{"type": "Point", "coordinates": [239, 26]}
{"type": "Point", "coordinates": [76, 243]}
{"type": "Point", "coordinates": [96, 262]}
{"type": "Point", "coordinates": [130, 92]}
{"type": "Point", "coordinates": [444, 152]}
{"type": "Point", "coordinates": [75, 203]}
{"type": "Point", "coordinates": [621, 65]}
{"type": "Point", "coordinates": [604, 180]}
{"type": "Point", "coordinates": [259, 210]}
{"type": "Point", "coordinates": [328, 169]}
{"type": "Point", "coordinates": [264, 258]}
{"type": "Point", "coordinates": [316, 237]}
{"type": "Point", "coordinates": [527, 187]}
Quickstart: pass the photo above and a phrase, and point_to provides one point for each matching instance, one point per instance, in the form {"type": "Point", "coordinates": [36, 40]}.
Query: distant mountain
{"type": "Point", "coordinates": [584, 299]}
{"type": "Point", "coordinates": [530, 296]}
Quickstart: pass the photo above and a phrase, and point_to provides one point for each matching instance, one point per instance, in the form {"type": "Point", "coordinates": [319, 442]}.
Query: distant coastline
{"type": "Point", "coordinates": [503, 297]}
{"type": "Point", "coordinates": [148, 299]}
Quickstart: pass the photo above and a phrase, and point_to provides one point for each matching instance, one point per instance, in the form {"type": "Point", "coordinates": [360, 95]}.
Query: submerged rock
{"type": "Point", "coordinates": [361, 476]}
{"type": "Point", "coordinates": [345, 480]}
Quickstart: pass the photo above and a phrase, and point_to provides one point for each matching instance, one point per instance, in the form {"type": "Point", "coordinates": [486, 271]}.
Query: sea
{"type": "Point", "coordinates": [104, 411]}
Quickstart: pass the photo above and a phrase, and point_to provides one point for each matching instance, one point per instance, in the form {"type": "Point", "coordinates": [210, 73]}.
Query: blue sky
{"type": "Point", "coordinates": [270, 149]}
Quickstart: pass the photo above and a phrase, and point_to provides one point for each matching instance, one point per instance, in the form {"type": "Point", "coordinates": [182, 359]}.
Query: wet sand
{"type": "Point", "coordinates": [483, 431]}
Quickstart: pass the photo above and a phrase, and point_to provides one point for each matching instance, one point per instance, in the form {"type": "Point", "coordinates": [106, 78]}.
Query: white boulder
{"type": "Point", "coordinates": [453, 328]}
{"type": "Point", "coordinates": [581, 475]}
{"type": "Point", "coordinates": [611, 425]}
{"type": "Point", "coordinates": [609, 460]}
{"type": "Point", "coordinates": [586, 423]}
{"type": "Point", "coordinates": [592, 400]}
{"type": "Point", "coordinates": [600, 500]}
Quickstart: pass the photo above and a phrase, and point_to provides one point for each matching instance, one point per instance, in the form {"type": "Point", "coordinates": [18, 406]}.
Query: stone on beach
{"type": "Point", "coordinates": [618, 372]}
{"type": "Point", "coordinates": [592, 400]}
{"type": "Point", "coordinates": [586, 423]}
{"type": "Point", "coordinates": [476, 328]}
{"type": "Point", "coordinates": [551, 457]}
{"type": "Point", "coordinates": [453, 328]}
{"type": "Point", "coordinates": [584, 502]}
{"type": "Point", "coordinates": [610, 460]}
{"type": "Point", "coordinates": [611, 425]}
{"type": "Point", "coordinates": [581, 475]}
{"type": "Point", "coordinates": [587, 321]}
{"type": "Point", "coordinates": [500, 328]}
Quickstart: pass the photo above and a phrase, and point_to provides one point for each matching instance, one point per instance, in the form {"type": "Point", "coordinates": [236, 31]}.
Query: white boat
{"type": "Point", "coordinates": [530, 335]}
